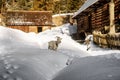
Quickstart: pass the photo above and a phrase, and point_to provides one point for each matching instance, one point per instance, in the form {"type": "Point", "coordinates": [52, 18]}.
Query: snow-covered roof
{"type": "Point", "coordinates": [56, 15]}
{"type": "Point", "coordinates": [29, 18]}
{"type": "Point", "coordinates": [87, 4]}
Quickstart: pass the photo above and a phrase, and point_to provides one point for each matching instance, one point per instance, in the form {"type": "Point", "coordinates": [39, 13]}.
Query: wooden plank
{"type": "Point", "coordinates": [22, 28]}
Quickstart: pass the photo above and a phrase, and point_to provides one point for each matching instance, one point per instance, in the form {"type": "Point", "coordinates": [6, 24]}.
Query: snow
{"type": "Point", "coordinates": [91, 68]}
{"type": "Point", "coordinates": [25, 56]}
{"type": "Point", "coordinates": [64, 14]}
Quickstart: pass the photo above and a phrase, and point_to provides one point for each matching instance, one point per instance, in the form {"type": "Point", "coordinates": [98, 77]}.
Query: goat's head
{"type": "Point", "coordinates": [59, 39]}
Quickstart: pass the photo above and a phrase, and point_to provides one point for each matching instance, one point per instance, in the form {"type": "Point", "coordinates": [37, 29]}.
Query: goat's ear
{"type": "Point", "coordinates": [57, 37]}
{"type": "Point", "coordinates": [60, 38]}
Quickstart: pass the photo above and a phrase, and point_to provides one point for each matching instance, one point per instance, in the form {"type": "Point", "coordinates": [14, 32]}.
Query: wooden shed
{"type": "Point", "coordinates": [94, 15]}
{"type": "Point", "coordinates": [29, 21]}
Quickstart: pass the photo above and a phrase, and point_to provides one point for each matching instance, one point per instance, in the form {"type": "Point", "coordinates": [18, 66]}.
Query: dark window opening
{"type": "Point", "coordinates": [39, 29]}
{"type": "Point", "coordinates": [82, 36]}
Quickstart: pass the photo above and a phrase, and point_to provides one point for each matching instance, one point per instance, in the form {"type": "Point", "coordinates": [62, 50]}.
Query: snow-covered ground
{"type": "Point", "coordinates": [25, 56]}
{"type": "Point", "coordinates": [105, 67]}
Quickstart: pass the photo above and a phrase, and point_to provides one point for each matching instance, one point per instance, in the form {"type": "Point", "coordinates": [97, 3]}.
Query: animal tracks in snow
{"type": "Point", "coordinates": [9, 68]}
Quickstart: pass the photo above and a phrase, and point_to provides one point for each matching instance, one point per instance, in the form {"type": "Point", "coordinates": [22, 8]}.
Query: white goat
{"type": "Point", "coordinates": [53, 45]}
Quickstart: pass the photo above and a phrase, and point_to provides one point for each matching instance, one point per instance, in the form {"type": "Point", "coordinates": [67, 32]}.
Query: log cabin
{"type": "Point", "coordinates": [94, 14]}
{"type": "Point", "coordinates": [29, 21]}
{"type": "Point", "coordinates": [98, 15]}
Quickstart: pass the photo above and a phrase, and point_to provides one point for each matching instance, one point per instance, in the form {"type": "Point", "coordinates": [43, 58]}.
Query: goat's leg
{"type": "Point", "coordinates": [55, 47]}
{"type": "Point", "coordinates": [48, 47]}
{"type": "Point", "coordinates": [88, 47]}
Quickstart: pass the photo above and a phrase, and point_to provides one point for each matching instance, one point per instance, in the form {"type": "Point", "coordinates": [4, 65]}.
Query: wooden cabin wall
{"type": "Point", "coordinates": [100, 17]}
{"type": "Point", "coordinates": [80, 24]}
{"type": "Point", "coordinates": [83, 23]}
{"type": "Point", "coordinates": [117, 10]}
{"type": "Point", "coordinates": [33, 29]}
{"type": "Point", "coordinates": [86, 22]}
{"type": "Point", "coordinates": [105, 15]}
{"type": "Point", "coordinates": [23, 28]}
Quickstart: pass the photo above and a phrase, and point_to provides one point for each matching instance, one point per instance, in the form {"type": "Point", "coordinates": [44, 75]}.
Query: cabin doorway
{"type": "Point", "coordinates": [82, 35]}
{"type": "Point", "coordinates": [39, 29]}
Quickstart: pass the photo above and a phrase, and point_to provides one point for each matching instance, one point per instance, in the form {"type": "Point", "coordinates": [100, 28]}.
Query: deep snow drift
{"type": "Point", "coordinates": [25, 56]}
{"type": "Point", "coordinates": [22, 59]}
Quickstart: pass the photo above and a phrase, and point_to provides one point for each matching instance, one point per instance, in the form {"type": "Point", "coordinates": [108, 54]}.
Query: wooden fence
{"type": "Point", "coordinates": [107, 40]}
{"type": "Point", "coordinates": [113, 40]}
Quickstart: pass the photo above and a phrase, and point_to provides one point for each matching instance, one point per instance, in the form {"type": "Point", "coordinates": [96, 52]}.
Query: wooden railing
{"type": "Point", "coordinates": [113, 40]}
{"type": "Point", "coordinates": [107, 40]}
{"type": "Point", "coordinates": [99, 39]}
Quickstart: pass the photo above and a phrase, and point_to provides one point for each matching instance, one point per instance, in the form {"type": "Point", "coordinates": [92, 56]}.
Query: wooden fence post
{"type": "Point", "coordinates": [111, 11]}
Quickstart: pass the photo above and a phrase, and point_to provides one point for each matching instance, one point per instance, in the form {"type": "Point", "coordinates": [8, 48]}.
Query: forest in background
{"type": "Point", "coordinates": [57, 6]}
